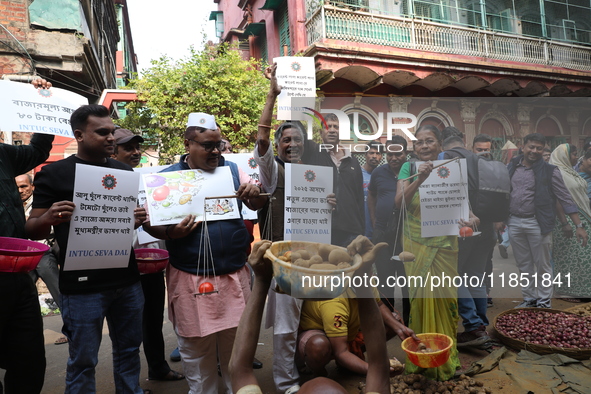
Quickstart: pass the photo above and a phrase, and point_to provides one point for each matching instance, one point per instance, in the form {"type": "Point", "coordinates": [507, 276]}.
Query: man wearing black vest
{"type": "Point", "coordinates": [348, 219]}
{"type": "Point", "coordinates": [535, 188]}
{"type": "Point", "coordinates": [472, 257]}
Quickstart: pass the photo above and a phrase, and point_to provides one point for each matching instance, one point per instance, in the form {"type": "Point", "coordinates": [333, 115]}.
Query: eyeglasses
{"type": "Point", "coordinates": [210, 146]}
{"type": "Point", "coordinates": [420, 143]}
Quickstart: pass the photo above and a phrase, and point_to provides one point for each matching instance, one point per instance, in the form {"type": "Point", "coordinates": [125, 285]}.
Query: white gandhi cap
{"type": "Point", "coordinates": [200, 119]}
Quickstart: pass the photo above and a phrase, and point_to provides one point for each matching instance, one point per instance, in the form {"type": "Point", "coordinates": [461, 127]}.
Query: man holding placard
{"type": "Point", "coordinates": [283, 311]}
{"type": "Point", "coordinates": [22, 352]}
{"type": "Point", "coordinates": [207, 278]}
{"type": "Point", "coordinates": [94, 293]}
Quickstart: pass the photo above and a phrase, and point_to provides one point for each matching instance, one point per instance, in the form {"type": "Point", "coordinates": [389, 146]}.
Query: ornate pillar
{"type": "Point", "coordinates": [524, 119]}
{"type": "Point", "coordinates": [468, 109]}
{"type": "Point", "coordinates": [572, 118]}
{"type": "Point", "coordinates": [397, 104]}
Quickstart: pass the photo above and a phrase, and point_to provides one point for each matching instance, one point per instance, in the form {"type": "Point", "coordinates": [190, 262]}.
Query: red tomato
{"type": "Point", "coordinates": [161, 193]}
{"type": "Point", "coordinates": [205, 287]}
{"type": "Point", "coordinates": [466, 232]}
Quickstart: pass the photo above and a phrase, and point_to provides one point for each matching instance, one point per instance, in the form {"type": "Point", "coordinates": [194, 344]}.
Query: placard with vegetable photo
{"type": "Point", "coordinates": [171, 196]}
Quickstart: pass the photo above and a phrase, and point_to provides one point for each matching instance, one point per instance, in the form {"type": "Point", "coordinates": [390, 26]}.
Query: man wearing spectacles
{"type": "Point", "coordinates": [206, 324]}
{"type": "Point", "coordinates": [211, 146]}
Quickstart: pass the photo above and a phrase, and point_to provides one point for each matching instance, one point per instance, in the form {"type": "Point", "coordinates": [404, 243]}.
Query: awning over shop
{"type": "Point", "coordinates": [254, 29]}
{"type": "Point", "coordinates": [213, 15]}
{"type": "Point", "coordinates": [272, 4]}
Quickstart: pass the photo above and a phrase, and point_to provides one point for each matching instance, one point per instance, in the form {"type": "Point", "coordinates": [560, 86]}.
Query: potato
{"type": "Point", "coordinates": [312, 249]}
{"type": "Point", "coordinates": [342, 265]}
{"type": "Point", "coordinates": [316, 260]}
{"type": "Point", "coordinates": [304, 253]}
{"type": "Point", "coordinates": [185, 199]}
{"type": "Point", "coordinates": [338, 255]}
{"type": "Point", "coordinates": [287, 254]}
{"type": "Point", "coordinates": [295, 256]}
{"type": "Point", "coordinates": [396, 365]}
{"type": "Point", "coordinates": [302, 263]}
{"type": "Point", "coordinates": [283, 258]}
{"type": "Point", "coordinates": [406, 256]}
{"type": "Point", "coordinates": [323, 267]}
{"type": "Point", "coordinates": [325, 250]}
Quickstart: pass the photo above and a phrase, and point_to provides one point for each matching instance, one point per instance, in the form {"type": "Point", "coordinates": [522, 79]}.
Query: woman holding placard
{"type": "Point", "coordinates": [432, 310]}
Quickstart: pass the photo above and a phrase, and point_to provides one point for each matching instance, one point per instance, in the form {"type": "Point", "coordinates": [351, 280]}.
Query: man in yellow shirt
{"type": "Point", "coordinates": [331, 329]}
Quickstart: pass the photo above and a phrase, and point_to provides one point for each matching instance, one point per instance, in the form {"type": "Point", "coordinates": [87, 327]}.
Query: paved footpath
{"type": "Point", "coordinates": [57, 355]}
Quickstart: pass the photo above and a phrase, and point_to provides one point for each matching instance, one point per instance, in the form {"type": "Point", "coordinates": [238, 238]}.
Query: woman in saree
{"type": "Point", "coordinates": [568, 254]}
{"type": "Point", "coordinates": [431, 310]}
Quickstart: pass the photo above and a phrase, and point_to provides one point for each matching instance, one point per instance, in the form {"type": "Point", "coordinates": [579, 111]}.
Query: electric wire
{"type": "Point", "coordinates": [93, 92]}
{"type": "Point", "coordinates": [21, 45]}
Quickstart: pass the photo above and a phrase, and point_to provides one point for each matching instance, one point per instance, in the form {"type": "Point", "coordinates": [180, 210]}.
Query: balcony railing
{"type": "Point", "coordinates": [329, 22]}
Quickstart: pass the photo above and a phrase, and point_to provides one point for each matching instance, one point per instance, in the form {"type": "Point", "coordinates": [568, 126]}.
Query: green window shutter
{"type": "Point", "coordinates": [553, 142]}
{"type": "Point", "coordinates": [494, 22]}
{"type": "Point", "coordinates": [263, 46]}
{"type": "Point", "coordinates": [283, 25]}
{"type": "Point", "coordinates": [496, 147]}
{"type": "Point", "coordinates": [435, 10]}
{"type": "Point", "coordinates": [364, 128]}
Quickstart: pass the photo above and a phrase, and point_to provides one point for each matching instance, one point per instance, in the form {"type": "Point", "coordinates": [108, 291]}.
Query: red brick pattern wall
{"type": "Point", "coordinates": [14, 16]}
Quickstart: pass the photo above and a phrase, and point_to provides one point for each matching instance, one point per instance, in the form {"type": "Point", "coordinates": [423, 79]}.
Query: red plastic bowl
{"type": "Point", "coordinates": [20, 255]}
{"type": "Point", "coordinates": [150, 261]}
{"type": "Point", "coordinates": [440, 343]}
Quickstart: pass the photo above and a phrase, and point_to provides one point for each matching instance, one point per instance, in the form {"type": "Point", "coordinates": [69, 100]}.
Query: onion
{"type": "Point", "coordinates": [545, 328]}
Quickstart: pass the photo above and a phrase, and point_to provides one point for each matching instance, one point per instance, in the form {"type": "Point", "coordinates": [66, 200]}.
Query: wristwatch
{"type": "Point", "coordinates": [580, 225]}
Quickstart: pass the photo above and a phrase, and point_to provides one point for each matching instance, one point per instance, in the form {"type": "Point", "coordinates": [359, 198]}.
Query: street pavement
{"type": "Point", "coordinates": [57, 355]}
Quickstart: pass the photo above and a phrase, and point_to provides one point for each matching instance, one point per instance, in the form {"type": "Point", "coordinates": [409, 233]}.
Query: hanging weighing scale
{"type": "Point", "coordinates": [408, 256]}
{"type": "Point", "coordinates": [206, 286]}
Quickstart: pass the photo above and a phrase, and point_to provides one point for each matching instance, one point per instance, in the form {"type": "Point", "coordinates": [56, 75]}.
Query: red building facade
{"type": "Point", "coordinates": [446, 51]}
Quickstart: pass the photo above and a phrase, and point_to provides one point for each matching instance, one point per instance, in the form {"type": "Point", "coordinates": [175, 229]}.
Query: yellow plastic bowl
{"type": "Point", "coordinates": [301, 282]}
{"type": "Point", "coordinates": [441, 343]}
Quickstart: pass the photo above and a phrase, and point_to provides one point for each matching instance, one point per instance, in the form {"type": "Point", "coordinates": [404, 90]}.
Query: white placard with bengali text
{"type": "Point", "coordinates": [173, 195]}
{"type": "Point", "coordinates": [297, 77]}
{"type": "Point", "coordinates": [142, 236]}
{"type": "Point", "coordinates": [308, 215]}
{"type": "Point", "coordinates": [246, 162]}
{"type": "Point", "coordinates": [101, 230]}
{"type": "Point", "coordinates": [45, 111]}
{"type": "Point", "coordinates": [444, 199]}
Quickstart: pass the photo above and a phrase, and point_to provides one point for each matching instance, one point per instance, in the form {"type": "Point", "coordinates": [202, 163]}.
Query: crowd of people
{"type": "Point", "coordinates": [376, 212]}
